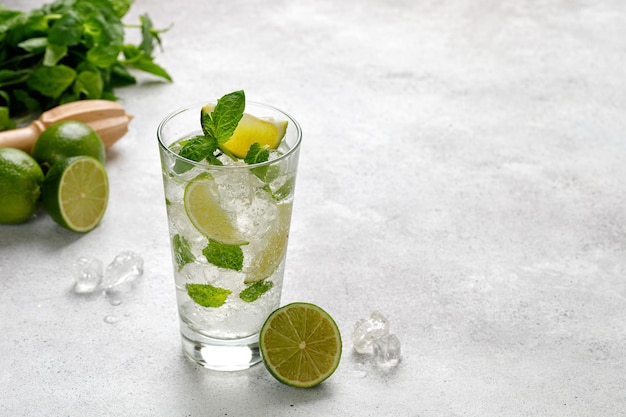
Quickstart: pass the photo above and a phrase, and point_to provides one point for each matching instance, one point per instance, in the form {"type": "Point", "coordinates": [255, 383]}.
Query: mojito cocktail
{"type": "Point", "coordinates": [229, 197]}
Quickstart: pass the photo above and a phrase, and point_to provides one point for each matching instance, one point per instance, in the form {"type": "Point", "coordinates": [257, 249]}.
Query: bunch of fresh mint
{"type": "Point", "coordinates": [69, 50]}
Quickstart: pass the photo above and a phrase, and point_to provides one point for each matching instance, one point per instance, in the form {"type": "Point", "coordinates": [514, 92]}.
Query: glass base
{"type": "Point", "coordinates": [219, 354]}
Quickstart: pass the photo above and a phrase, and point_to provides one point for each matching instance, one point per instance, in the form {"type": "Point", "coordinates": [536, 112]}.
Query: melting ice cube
{"type": "Point", "coordinates": [87, 274]}
{"type": "Point", "coordinates": [366, 330]}
{"type": "Point", "coordinates": [386, 351]}
{"type": "Point", "coordinates": [121, 274]}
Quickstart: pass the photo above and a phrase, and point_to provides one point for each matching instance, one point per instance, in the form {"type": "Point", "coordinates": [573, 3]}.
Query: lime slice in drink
{"type": "Point", "coordinates": [202, 204]}
{"type": "Point", "coordinates": [266, 132]}
{"type": "Point", "coordinates": [300, 344]}
{"type": "Point", "coordinates": [75, 193]}
{"type": "Point", "coordinates": [267, 259]}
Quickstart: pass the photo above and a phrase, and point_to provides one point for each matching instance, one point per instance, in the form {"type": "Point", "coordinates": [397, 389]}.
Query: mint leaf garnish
{"type": "Point", "coordinates": [182, 252]}
{"type": "Point", "coordinates": [207, 295]}
{"type": "Point", "coordinates": [224, 255]}
{"type": "Point", "coordinates": [198, 148]}
{"type": "Point", "coordinates": [217, 126]}
{"type": "Point", "coordinates": [227, 114]}
{"type": "Point", "coordinates": [255, 290]}
{"type": "Point", "coordinates": [257, 154]}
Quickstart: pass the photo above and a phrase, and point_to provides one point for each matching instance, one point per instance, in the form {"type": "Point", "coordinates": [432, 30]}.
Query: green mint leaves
{"type": "Point", "coordinates": [224, 255]}
{"type": "Point", "coordinates": [255, 290]}
{"type": "Point", "coordinates": [225, 117]}
{"type": "Point", "coordinates": [218, 125]}
{"type": "Point", "coordinates": [207, 295]}
{"type": "Point", "coordinates": [67, 51]}
{"type": "Point", "coordinates": [182, 251]}
{"type": "Point", "coordinates": [257, 154]}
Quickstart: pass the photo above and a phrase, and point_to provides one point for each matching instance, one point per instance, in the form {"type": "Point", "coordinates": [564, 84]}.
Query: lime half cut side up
{"type": "Point", "coordinates": [300, 344]}
{"type": "Point", "coordinates": [202, 204]}
{"type": "Point", "coordinates": [76, 192]}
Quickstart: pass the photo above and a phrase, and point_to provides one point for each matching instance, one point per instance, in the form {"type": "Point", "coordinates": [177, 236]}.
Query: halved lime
{"type": "Point", "coordinates": [300, 344]}
{"type": "Point", "coordinates": [265, 262]}
{"type": "Point", "coordinates": [251, 129]}
{"type": "Point", "coordinates": [75, 193]}
{"type": "Point", "coordinates": [202, 204]}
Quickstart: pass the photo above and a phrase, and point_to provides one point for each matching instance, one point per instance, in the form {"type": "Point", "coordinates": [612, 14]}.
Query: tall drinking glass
{"type": "Point", "coordinates": [228, 227]}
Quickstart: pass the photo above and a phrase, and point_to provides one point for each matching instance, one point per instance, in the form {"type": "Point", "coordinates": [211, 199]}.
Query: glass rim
{"type": "Point", "coordinates": [204, 164]}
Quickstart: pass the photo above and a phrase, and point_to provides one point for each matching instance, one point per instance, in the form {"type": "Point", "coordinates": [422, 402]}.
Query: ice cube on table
{"type": "Point", "coordinates": [386, 353]}
{"type": "Point", "coordinates": [121, 274]}
{"type": "Point", "coordinates": [366, 330]}
{"type": "Point", "coordinates": [87, 274]}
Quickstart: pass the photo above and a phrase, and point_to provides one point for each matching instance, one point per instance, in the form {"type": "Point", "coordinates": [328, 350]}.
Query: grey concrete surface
{"type": "Point", "coordinates": [463, 171]}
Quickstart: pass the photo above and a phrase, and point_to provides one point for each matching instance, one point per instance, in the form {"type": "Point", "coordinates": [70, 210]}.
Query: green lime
{"type": "Point", "coordinates": [251, 129]}
{"type": "Point", "coordinates": [300, 344]}
{"type": "Point", "coordinates": [75, 193]}
{"type": "Point", "coordinates": [65, 139]}
{"type": "Point", "coordinates": [267, 259]}
{"type": "Point", "coordinates": [202, 204]}
{"type": "Point", "coordinates": [20, 185]}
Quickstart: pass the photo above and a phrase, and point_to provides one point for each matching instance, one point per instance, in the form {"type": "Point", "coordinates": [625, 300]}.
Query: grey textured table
{"type": "Point", "coordinates": [463, 171]}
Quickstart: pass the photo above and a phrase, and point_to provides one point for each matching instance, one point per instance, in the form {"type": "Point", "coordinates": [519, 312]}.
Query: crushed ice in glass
{"type": "Point", "coordinates": [371, 337]}
{"type": "Point", "coordinates": [121, 274]}
{"type": "Point", "coordinates": [87, 274]}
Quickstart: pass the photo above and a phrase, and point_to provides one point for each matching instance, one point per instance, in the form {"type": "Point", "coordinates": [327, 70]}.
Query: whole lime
{"type": "Point", "coordinates": [66, 139]}
{"type": "Point", "coordinates": [20, 185]}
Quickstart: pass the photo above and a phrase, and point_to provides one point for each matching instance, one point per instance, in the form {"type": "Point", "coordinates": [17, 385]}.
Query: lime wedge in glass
{"type": "Point", "coordinates": [202, 204]}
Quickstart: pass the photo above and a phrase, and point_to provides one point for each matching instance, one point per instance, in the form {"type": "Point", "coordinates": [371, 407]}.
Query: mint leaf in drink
{"type": "Point", "coordinates": [207, 295]}
{"type": "Point", "coordinates": [255, 290]}
{"type": "Point", "coordinates": [284, 190]}
{"type": "Point", "coordinates": [198, 148]}
{"type": "Point", "coordinates": [257, 154]}
{"type": "Point", "coordinates": [224, 255]}
{"type": "Point", "coordinates": [182, 252]}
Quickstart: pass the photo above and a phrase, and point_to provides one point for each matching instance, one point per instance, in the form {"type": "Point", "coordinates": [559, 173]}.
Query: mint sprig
{"type": "Point", "coordinates": [218, 126]}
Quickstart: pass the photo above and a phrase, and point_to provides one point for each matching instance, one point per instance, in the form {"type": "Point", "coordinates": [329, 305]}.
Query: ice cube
{"type": "Point", "coordinates": [366, 330]}
{"type": "Point", "coordinates": [121, 274]}
{"type": "Point", "coordinates": [87, 274]}
{"type": "Point", "coordinates": [386, 353]}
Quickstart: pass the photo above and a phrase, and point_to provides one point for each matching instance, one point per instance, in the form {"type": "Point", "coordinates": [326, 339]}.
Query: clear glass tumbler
{"type": "Point", "coordinates": [229, 227]}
